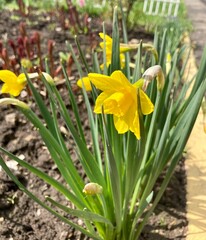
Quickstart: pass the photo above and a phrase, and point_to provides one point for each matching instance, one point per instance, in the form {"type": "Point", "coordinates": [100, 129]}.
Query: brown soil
{"type": "Point", "coordinates": [23, 219]}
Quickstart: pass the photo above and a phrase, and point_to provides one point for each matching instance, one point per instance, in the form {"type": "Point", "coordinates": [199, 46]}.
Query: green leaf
{"type": "Point", "coordinates": [42, 107]}
{"type": "Point", "coordinates": [32, 196]}
{"type": "Point", "coordinates": [85, 214]}
{"type": "Point", "coordinates": [115, 61]}
{"type": "Point", "coordinates": [51, 181]}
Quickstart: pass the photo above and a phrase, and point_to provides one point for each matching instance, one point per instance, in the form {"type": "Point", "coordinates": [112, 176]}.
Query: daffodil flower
{"type": "Point", "coordinates": [121, 99]}
{"type": "Point", "coordinates": [108, 46]}
{"type": "Point", "coordinates": [13, 84]}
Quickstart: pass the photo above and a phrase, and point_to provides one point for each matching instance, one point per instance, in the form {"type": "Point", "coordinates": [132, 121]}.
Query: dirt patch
{"type": "Point", "coordinates": [23, 219]}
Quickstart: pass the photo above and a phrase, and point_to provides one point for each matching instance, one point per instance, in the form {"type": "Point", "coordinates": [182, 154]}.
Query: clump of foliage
{"type": "Point", "coordinates": [140, 119]}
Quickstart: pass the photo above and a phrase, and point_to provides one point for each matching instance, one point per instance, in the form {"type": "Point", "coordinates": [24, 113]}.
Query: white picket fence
{"type": "Point", "coordinates": [167, 8]}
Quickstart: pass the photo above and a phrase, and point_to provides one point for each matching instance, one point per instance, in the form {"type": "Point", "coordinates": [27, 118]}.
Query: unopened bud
{"type": "Point", "coordinates": [26, 63]}
{"type": "Point", "coordinates": [49, 79]}
{"type": "Point", "coordinates": [92, 189]}
{"type": "Point", "coordinates": [151, 73]}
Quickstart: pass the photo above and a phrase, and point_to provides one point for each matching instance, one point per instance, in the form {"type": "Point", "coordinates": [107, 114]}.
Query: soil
{"type": "Point", "coordinates": [23, 219]}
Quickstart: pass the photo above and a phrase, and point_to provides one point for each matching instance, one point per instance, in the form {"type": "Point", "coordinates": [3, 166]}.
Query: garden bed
{"type": "Point", "coordinates": [20, 217]}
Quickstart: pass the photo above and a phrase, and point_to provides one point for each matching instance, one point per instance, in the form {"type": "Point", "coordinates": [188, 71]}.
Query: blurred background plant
{"type": "Point", "coordinates": [26, 51]}
{"type": "Point", "coordinates": [133, 10]}
{"type": "Point", "coordinates": [137, 18]}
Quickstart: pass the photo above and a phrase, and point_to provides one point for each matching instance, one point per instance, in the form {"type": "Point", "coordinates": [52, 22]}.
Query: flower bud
{"type": "Point", "coordinates": [151, 73]}
{"type": "Point", "coordinates": [49, 79]}
{"type": "Point", "coordinates": [92, 189]}
{"type": "Point", "coordinates": [26, 63]}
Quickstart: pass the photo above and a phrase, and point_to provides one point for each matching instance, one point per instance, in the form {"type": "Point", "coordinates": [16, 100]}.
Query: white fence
{"type": "Point", "coordinates": [168, 8]}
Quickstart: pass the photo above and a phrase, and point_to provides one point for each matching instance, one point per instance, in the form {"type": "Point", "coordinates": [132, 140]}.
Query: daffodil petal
{"type": "Point", "coordinates": [106, 37]}
{"type": "Point", "coordinates": [130, 121]}
{"type": "Point", "coordinates": [7, 76]}
{"type": "Point", "coordinates": [21, 78]}
{"type": "Point", "coordinates": [135, 126]}
{"type": "Point", "coordinates": [106, 83]}
{"type": "Point", "coordinates": [100, 102]}
{"type": "Point", "coordinates": [123, 81]}
{"type": "Point", "coordinates": [107, 45]}
{"type": "Point", "coordinates": [86, 82]}
{"type": "Point", "coordinates": [7, 88]}
{"type": "Point", "coordinates": [146, 105]}
{"type": "Point", "coordinates": [120, 125]}
{"type": "Point", "coordinates": [107, 42]}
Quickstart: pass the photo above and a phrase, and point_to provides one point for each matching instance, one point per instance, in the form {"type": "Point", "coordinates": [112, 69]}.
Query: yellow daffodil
{"type": "Point", "coordinates": [122, 99]}
{"type": "Point", "coordinates": [108, 46]}
{"type": "Point", "coordinates": [13, 84]}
